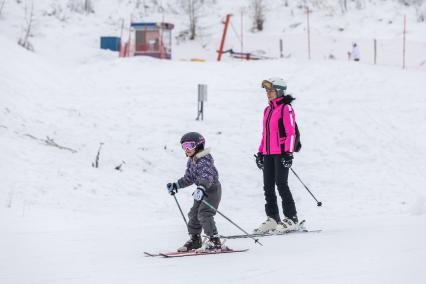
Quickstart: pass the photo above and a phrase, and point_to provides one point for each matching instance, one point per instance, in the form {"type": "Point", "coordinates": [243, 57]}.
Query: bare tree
{"type": "Point", "coordinates": [421, 12]}
{"type": "Point", "coordinates": [193, 18]}
{"type": "Point", "coordinates": [258, 7]}
{"type": "Point", "coordinates": [88, 6]}
{"type": "Point", "coordinates": [2, 5]}
{"type": "Point", "coordinates": [56, 10]}
{"type": "Point", "coordinates": [192, 9]}
{"type": "Point", "coordinates": [141, 3]}
{"type": "Point", "coordinates": [258, 12]}
{"type": "Point", "coordinates": [81, 6]}
{"type": "Point", "coordinates": [29, 17]}
{"type": "Point", "coordinates": [343, 5]}
{"type": "Point", "coordinates": [359, 4]}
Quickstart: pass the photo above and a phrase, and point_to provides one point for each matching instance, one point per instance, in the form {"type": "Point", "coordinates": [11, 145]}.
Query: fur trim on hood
{"type": "Point", "coordinates": [201, 154]}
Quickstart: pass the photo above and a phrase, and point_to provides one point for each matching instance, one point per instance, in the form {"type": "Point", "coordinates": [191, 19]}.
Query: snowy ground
{"type": "Point", "coordinates": [61, 221]}
{"type": "Point", "coordinates": [64, 221]}
{"type": "Point", "coordinates": [77, 248]}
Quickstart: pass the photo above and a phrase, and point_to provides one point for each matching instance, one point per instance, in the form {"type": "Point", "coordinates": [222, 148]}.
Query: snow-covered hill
{"type": "Point", "coordinates": [63, 221]}
{"type": "Point", "coordinates": [64, 35]}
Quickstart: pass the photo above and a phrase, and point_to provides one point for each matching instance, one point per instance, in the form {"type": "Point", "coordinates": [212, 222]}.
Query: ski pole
{"type": "Point", "coordinates": [248, 235]}
{"type": "Point", "coordinates": [319, 203]}
{"type": "Point", "coordinates": [180, 209]}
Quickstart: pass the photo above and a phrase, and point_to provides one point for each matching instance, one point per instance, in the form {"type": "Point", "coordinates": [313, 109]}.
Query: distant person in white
{"type": "Point", "coordinates": [355, 52]}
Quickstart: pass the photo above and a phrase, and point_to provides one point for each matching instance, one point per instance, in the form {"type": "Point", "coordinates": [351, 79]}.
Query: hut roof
{"type": "Point", "coordinates": [167, 26]}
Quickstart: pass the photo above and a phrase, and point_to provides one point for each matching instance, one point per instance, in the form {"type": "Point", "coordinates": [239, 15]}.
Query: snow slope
{"type": "Point", "coordinates": [62, 221]}
{"type": "Point", "coordinates": [60, 35]}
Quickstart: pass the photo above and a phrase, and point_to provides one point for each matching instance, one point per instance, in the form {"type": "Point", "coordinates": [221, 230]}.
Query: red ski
{"type": "Point", "coordinates": [194, 252]}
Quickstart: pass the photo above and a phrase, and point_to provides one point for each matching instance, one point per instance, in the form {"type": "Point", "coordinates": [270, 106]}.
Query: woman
{"type": "Point", "coordinates": [275, 156]}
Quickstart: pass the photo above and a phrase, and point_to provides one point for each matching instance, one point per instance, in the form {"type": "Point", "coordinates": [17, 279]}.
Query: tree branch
{"type": "Point", "coordinates": [2, 5]}
{"type": "Point", "coordinates": [27, 29]}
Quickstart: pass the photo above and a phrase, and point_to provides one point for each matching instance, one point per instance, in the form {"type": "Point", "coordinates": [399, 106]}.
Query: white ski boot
{"type": "Point", "coordinates": [269, 225]}
{"type": "Point", "coordinates": [287, 225]}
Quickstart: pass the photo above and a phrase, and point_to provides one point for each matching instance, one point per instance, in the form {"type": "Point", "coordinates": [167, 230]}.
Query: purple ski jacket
{"type": "Point", "coordinates": [200, 170]}
{"type": "Point", "coordinates": [279, 127]}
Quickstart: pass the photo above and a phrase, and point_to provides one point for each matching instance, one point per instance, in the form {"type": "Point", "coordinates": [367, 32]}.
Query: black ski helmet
{"type": "Point", "coordinates": [194, 137]}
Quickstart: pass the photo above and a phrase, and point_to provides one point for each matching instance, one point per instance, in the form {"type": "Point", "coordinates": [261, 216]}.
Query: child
{"type": "Point", "coordinates": [201, 172]}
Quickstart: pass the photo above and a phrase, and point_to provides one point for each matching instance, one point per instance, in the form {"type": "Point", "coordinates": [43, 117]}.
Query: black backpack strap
{"type": "Point", "coordinates": [297, 143]}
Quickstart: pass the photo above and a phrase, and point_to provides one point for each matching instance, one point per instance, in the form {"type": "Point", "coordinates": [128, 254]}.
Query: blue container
{"type": "Point", "coordinates": [110, 42]}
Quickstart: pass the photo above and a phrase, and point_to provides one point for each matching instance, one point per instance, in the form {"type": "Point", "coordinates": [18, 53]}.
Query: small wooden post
{"type": "Point", "coordinates": [130, 37]}
{"type": "Point", "coordinates": [160, 41]}
{"type": "Point", "coordinates": [120, 53]}
{"type": "Point", "coordinates": [375, 51]}
{"type": "Point", "coordinates": [309, 32]}
{"type": "Point", "coordinates": [242, 31]}
{"type": "Point", "coordinates": [281, 48]}
{"type": "Point", "coordinates": [404, 42]}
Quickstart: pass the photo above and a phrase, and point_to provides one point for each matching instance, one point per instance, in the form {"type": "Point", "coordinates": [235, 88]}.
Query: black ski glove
{"type": "Point", "coordinates": [173, 187]}
{"type": "Point", "coordinates": [259, 160]}
{"type": "Point", "coordinates": [287, 160]}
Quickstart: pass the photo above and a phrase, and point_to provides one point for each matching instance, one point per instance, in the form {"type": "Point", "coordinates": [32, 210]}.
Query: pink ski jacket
{"type": "Point", "coordinates": [279, 127]}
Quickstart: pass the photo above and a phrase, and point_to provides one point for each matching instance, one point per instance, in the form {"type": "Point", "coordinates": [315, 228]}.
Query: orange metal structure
{"type": "Point", "coordinates": [222, 42]}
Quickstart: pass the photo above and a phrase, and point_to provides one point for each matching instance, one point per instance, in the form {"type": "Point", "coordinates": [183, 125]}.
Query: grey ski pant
{"type": "Point", "coordinates": [201, 217]}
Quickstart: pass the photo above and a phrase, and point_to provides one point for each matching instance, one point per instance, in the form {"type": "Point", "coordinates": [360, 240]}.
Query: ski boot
{"type": "Point", "coordinates": [269, 225]}
{"type": "Point", "coordinates": [193, 243]}
{"type": "Point", "coordinates": [287, 225]}
{"type": "Point", "coordinates": [213, 243]}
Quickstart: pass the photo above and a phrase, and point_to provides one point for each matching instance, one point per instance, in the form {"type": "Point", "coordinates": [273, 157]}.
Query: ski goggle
{"type": "Point", "coordinates": [267, 85]}
{"type": "Point", "coordinates": [189, 146]}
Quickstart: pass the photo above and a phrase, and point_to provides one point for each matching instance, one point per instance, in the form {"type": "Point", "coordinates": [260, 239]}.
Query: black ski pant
{"type": "Point", "coordinates": [275, 173]}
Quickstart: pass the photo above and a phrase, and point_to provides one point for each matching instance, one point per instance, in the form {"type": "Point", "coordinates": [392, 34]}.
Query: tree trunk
{"type": "Point", "coordinates": [2, 5]}
{"type": "Point", "coordinates": [192, 20]}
